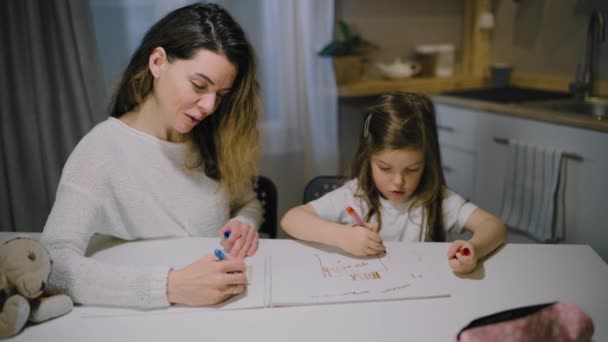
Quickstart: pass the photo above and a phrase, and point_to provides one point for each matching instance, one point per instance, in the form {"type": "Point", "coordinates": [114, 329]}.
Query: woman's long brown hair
{"type": "Point", "coordinates": [226, 142]}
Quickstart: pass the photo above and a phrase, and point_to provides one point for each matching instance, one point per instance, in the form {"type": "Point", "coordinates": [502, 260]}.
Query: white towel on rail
{"type": "Point", "coordinates": [530, 194]}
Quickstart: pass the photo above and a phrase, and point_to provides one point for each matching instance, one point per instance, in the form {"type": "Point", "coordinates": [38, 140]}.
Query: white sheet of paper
{"type": "Point", "coordinates": [311, 275]}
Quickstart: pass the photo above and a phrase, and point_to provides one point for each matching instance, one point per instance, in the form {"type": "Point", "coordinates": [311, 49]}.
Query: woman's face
{"type": "Point", "coordinates": [397, 173]}
{"type": "Point", "coordinates": [189, 90]}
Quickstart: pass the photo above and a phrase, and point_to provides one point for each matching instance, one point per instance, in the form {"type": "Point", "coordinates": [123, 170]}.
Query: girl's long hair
{"type": "Point", "coordinates": [227, 142]}
{"type": "Point", "coordinates": [403, 121]}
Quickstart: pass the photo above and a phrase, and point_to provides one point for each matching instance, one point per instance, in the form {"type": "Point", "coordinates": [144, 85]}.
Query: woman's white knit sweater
{"type": "Point", "coordinates": [122, 182]}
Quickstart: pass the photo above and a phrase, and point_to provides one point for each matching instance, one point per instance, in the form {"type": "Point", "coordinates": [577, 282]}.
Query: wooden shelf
{"type": "Point", "coordinates": [429, 85]}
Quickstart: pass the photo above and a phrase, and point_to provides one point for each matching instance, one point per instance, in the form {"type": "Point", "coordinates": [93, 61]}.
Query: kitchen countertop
{"type": "Point", "coordinates": [522, 111]}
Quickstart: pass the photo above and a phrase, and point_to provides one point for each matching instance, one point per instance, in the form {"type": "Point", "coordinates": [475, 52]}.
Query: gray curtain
{"type": "Point", "coordinates": [51, 94]}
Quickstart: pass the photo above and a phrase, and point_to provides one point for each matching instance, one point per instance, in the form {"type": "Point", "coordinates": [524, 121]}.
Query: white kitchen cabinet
{"type": "Point", "coordinates": [586, 183]}
{"type": "Point", "coordinates": [457, 129]}
{"type": "Point", "coordinates": [458, 170]}
{"type": "Point", "coordinates": [585, 217]}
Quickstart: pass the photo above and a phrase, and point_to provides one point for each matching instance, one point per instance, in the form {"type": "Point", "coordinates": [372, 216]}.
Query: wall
{"type": "Point", "coordinates": [537, 37]}
{"type": "Point", "coordinates": [398, 26]}
{"type": "Point", "coordinates": [545, 37]}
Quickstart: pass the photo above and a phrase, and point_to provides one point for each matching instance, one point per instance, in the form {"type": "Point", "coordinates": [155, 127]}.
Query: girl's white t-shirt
{"type": "Point", "coordinates": [399, 222]}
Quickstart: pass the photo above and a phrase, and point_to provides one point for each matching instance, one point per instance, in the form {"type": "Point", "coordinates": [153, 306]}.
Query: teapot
{"type": "Point", "coordinates": [399, 69]}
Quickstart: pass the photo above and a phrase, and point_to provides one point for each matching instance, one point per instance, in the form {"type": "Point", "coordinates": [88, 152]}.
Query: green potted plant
{"type": "Point", "coordinates": [347, 54]}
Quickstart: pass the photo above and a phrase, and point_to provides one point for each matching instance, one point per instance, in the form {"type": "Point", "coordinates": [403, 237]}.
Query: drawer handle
{"type": "Point", "coordinates": [445, 128]}
{"type": "Point", "coordinates": [447, 169]}
{"type": "Point", "coordinates": [506, 141]}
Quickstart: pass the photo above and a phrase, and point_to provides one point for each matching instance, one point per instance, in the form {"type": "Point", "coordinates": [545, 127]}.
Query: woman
{"type": "Point", "coordinates": [176, 158]}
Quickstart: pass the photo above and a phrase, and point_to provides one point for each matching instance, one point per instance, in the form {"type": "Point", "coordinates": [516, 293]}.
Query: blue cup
{"type": "Point", "coordinates": [500, 75]}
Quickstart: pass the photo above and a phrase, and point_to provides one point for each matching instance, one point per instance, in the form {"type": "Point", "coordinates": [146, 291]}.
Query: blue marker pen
{"type": "Point", "coordinates": [219, 254]}
{"type": "Point", "coordinates": [226, 234]}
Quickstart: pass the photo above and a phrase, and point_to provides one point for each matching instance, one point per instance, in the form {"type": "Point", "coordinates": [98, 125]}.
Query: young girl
{"type": "Point", "coordinates": [399, 188]}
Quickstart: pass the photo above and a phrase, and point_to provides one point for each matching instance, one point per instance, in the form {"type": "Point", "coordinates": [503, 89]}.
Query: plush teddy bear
{"type": "Point", "coordinates": [24, 271]}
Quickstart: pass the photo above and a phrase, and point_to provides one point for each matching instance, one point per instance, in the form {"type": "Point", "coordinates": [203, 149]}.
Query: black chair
{"type": "Point", "coordinates": [321, 185]}
{"type": "Point", "coordinates": [267, 194]}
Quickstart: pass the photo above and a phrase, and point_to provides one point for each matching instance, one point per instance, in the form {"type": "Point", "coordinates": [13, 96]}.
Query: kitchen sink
{"type": "Point", "coordinates": [594, 106]}
{"type": "Point", "coordinates": [509, 94]}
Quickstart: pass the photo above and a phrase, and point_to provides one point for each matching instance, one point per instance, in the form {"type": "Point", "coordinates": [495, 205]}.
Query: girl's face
{"type": "Point", "coordinates": [189, 90]}
{"type": "Point", "coordinates": [397, 173]}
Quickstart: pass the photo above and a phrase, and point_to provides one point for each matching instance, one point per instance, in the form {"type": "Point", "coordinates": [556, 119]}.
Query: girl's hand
{"type": "Point", "coordinates": [207, 281]}
{"type": "Point", "coordinates": [361, 241]}
{"type": "Point", "coordinates": [243, 240]}
{"type": "Point", "coordinates": [457, 258]}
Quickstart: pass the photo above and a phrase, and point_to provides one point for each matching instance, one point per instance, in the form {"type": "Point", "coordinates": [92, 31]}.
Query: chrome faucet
{"type": "Point", "coordinates": [582, 87]}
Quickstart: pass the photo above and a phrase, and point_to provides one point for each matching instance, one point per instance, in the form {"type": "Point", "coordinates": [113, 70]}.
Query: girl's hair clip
{"type": "Point", "coordinates": [368, 119]}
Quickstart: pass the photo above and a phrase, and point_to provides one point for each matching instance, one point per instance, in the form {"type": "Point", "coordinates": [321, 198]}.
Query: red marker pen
{"type": "Point", "coordinates": [465, 251]}
{"type": "Point", "coordinates": [355, 216]}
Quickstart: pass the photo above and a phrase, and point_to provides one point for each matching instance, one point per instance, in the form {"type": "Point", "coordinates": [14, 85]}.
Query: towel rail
{"type": "Point", "coordinates": [505, 141]}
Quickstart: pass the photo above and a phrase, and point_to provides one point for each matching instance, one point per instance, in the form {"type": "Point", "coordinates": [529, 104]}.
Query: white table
{"type": "Point", "coordinates": [517, 275]}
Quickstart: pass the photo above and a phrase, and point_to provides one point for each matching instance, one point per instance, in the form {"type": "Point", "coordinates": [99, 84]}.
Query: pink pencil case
{"type": "Point", "coordinates": [544, 322]}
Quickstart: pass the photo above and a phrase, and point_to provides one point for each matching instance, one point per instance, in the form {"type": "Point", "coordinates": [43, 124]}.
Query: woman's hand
{"type": "Point", "coordinates": [207, 281]}
{"type": "Point", "coordinates": [243, 240]}
{"type": "Point", "coordinates": [458, 259]}
{"type": "Point", "coordinates": [361, 241]}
